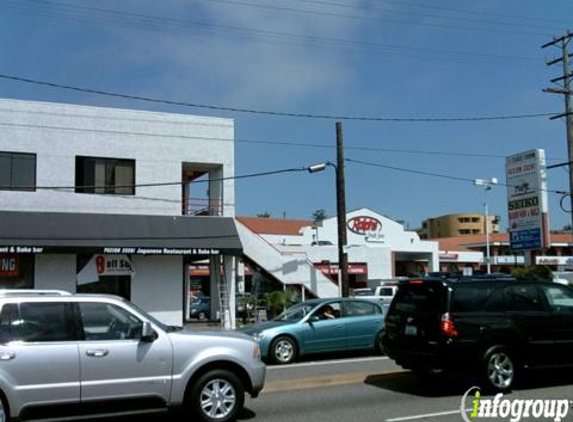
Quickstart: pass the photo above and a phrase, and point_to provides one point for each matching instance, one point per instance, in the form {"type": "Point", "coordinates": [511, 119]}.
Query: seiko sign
{"type": "Point", "coordinates": [367, 226]}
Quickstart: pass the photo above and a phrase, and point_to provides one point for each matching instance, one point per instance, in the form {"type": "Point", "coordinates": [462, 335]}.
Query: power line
{"type": "Point", "coordinates": [274, 113]}
{"type": "Point", "coordinates": [158, 184]}
{"type": "Point", "coordinates": [263, 142]}
{"type": "Point", "coordinates": [439, 175]}
{"type": "Point", "coordinates": [472, 12]}
{"type": "Point", "coordinates": [155, 23]}
{"type": "Point", "coordinates": [475, 12]}
{"type": "Point", "coordinates": [377, 19]}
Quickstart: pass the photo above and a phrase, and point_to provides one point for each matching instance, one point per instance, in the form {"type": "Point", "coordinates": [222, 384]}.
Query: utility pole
{"type": "Point", "coordinates": [341, 213]}
{"type": "Point", "coordinates": [564, 88]}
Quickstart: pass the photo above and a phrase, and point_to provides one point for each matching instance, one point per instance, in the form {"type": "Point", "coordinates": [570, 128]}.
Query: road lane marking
{"type": "Point", "coordinates": [325, 381]}
{"type": "Point", "coordinates": [330, 362]}
{"type": "Point", "coordinates": [427, 415]}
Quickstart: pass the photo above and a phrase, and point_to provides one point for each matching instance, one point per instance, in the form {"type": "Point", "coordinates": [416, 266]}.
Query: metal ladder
{"type": "Point", "coordinates": [224, 303]}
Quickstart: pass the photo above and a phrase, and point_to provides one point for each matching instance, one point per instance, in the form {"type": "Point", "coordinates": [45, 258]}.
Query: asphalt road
{"type": "Point", "coordinates": [373, 389]}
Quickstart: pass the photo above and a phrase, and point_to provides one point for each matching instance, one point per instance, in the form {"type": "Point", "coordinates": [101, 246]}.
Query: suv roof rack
{"type": "Point", "coordinates": [32, 292]}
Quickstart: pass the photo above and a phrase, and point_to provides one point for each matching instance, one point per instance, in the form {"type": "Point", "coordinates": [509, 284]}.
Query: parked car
{"type": "Point", "coordinates": [200, 308]}
{"type": "Point", "coordinates": [496, 325]}
{"type": "Point", "coordinates": [64, 355]}
{"type": "Point", "coordinates": [384, 293]}
{"type": "Point", "coordinates": [304, 328]}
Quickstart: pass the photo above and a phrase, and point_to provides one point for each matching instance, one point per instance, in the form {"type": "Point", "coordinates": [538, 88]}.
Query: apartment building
{"type": "Point", "coordinates": [461, 224]}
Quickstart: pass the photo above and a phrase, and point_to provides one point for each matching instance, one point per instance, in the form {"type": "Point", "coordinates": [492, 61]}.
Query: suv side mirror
{"type": "Point", "coordinates": [148, 334]}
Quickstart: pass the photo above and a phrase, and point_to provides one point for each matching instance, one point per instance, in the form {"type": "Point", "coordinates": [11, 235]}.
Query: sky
{"type": "Point", "coordinates": [339, 59]}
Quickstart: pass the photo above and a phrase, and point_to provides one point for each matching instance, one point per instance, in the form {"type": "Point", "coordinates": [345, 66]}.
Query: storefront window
{"type": "Point", "coordinates": [16, 271]}
{"type": "Point", "coordinates": [108, 274]}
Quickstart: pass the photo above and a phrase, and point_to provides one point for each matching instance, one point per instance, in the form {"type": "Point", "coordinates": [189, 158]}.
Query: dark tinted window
{"type": "Point", "coordinates": [478, 298]}
{"type": "Point", "coordinates": [423, 298]}
{"type": "Point", "coordinates": [354, 309]}
{"type": "Point", "coordinates": [524, 299]}
{"type": "Point", "coordinates": [105, 175]}
{"type": "Point", "coordinates": [17, 171]}
{"type": "Point", "coordinates": [45, 322]}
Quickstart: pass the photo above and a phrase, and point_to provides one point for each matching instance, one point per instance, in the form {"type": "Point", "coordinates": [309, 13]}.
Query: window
{"type": "Point", "coordinates": [47, 321]}
{"type": "Point", "coordinates": [478, 299]}
{"type": "Point", "coordinates": [524, 299]}
{"type": "Point", "coordinates": [17, 171]}
{"type": "Point", "coordinates": [103, 321]}
{"type": "Point", "coordinates": [559, 299]}
{"type": "Point", "coordinates": [358, 309]}
{"type": "Point", "coordinates": [105, 176]}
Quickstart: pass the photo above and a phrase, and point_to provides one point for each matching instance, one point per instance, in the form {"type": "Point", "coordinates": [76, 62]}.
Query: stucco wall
{"type": "Point", "coordinates": [158, 142]}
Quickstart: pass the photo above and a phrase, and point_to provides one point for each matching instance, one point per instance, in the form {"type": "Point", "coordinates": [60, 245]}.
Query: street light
{"type": "Point", "coordinates": [487, 184]}
{"type": "Point", "coordinates": [341, 223]}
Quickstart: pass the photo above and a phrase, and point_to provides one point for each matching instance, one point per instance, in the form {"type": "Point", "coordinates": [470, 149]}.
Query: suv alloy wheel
{"type": "Point", "coordinates": [499, 368]}
{"type": "Point", "coordinates": [217, 396]}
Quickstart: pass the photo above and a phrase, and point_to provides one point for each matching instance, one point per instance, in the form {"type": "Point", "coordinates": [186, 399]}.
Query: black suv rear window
{"type": "Point", "coordinates": [478, 298]}
{"type": "Point", "coordinates": [419, 298]}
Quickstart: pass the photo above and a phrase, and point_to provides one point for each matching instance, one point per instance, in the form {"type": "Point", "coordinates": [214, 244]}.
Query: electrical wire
{"type": "Point", "coordinates": [275, 113]}
{"type": "Point", "coordinates": [379, 19]}
{"type": "Point", "coordinates": [159, 184]}
{"type": "Point", "coordinates": [120, 238]}
{"type": "Point", "coordinates": [156, 23]}
{"type": "Point", "coordinates": [439, 175]}
{"type": "Point", "coordinates": [262, 142]}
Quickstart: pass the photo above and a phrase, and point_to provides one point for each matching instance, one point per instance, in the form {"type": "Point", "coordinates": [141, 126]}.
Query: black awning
{"type": "Point", "coordinates": [54, 232]}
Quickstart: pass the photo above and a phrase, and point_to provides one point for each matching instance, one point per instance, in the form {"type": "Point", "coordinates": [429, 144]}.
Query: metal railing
{"type": "Point", "coordinates": [202, 206]}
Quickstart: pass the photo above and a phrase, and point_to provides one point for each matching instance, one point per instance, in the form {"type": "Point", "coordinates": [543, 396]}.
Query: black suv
{"type": "Point", "coordinates": [496, 325]}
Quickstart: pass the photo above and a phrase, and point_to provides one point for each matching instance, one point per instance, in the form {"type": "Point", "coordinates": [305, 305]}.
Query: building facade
{"type": "Point", "coordinates": [117, 201]}
{"type": "Point", "coordinates": [305, 254]}
{"type": "Point", "coordinates": [460, 224]}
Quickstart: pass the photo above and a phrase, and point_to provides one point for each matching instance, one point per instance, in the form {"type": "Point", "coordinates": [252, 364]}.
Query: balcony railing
{"type": "Point", "coordinates": [202, 206]}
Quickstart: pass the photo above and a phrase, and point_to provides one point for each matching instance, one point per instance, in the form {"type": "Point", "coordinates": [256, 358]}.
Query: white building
{"type": "Point", "coordinates": [306, 254]}
{"type": "Point", "coordinates": [116, 201]}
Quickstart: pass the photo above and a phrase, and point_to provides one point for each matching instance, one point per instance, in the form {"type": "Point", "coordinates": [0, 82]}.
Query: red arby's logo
{"type": "Point", "coordinates": [364, 225]}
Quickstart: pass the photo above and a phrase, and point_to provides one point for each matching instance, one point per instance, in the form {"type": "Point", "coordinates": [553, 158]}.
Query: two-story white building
{"type": "Point", "coordinates": [117, 201]}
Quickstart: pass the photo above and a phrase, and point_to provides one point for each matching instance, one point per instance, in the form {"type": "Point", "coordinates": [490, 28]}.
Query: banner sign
{"type": "Point", "coordinates": [104, 265]}
{"type": "Point", "coordinates": [526, 180]}
{"type": "Point", "coordinates": [9, 265]}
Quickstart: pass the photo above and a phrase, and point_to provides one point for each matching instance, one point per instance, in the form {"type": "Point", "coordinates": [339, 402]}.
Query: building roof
{"type": "Point", "coordinates": [278, 226]}
{"type": "Point", "coordinates": [462, 243]}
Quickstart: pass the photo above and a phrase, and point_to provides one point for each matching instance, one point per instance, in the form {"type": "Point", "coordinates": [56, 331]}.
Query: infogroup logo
{"type": "Point", "coordinates": [514, 410]}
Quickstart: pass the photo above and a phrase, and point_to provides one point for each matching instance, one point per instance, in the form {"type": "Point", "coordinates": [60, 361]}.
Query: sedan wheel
{"type": "Point", "coordinates": [283, 350]}
{"type": "Point", "coordinates": [500, 369]}
{"type": "Point", "coordinates": [218, 396]}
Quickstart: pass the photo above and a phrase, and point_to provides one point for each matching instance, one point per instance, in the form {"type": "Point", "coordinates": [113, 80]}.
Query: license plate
{"type": "Point", "coordinates": [411, 330]}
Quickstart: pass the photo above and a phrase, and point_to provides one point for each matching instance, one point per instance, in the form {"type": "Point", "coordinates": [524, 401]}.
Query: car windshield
{"type": "Point", "coordinates": [164, 327]}
{"type": "Point", "coordinates": [296, 312]}
{"type": "Point", "coordinates": [363, 292]}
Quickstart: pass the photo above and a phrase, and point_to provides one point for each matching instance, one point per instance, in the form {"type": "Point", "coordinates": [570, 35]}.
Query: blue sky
{"type": "Point", "coordinates": [375, 58]}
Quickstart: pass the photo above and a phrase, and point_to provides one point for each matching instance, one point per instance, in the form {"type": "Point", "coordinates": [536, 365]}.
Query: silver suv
{"type": "Point", "coordinates": [64, 355]}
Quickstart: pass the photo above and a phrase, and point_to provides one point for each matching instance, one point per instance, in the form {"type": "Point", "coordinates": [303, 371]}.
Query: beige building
{"type": "Point", "coordinates": [453, 225]}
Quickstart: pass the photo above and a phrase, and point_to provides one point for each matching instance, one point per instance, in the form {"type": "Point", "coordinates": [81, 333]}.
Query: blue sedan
{"type": "Point", "coordinates": [318, 326]}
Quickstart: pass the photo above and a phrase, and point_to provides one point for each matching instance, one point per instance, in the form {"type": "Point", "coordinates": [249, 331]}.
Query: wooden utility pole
{"type": "Point", "coordinates": [341, 213]}
{"type": "Point", "coordinates": [564, 88]}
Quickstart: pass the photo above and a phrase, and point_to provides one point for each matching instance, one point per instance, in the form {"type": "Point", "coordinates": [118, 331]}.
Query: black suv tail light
{"type": "Point", "coordinates": [447, 326]}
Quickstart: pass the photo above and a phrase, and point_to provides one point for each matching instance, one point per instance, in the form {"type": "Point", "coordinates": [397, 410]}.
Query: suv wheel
{"type": "Point", "coordinates": [4, 414]}
{"type": "Point", "coordinates": [217, 396]}
{"type": "Point", "coordinates": [499, 368]}
{"type": "Point", "coordinates": [283, 350]}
